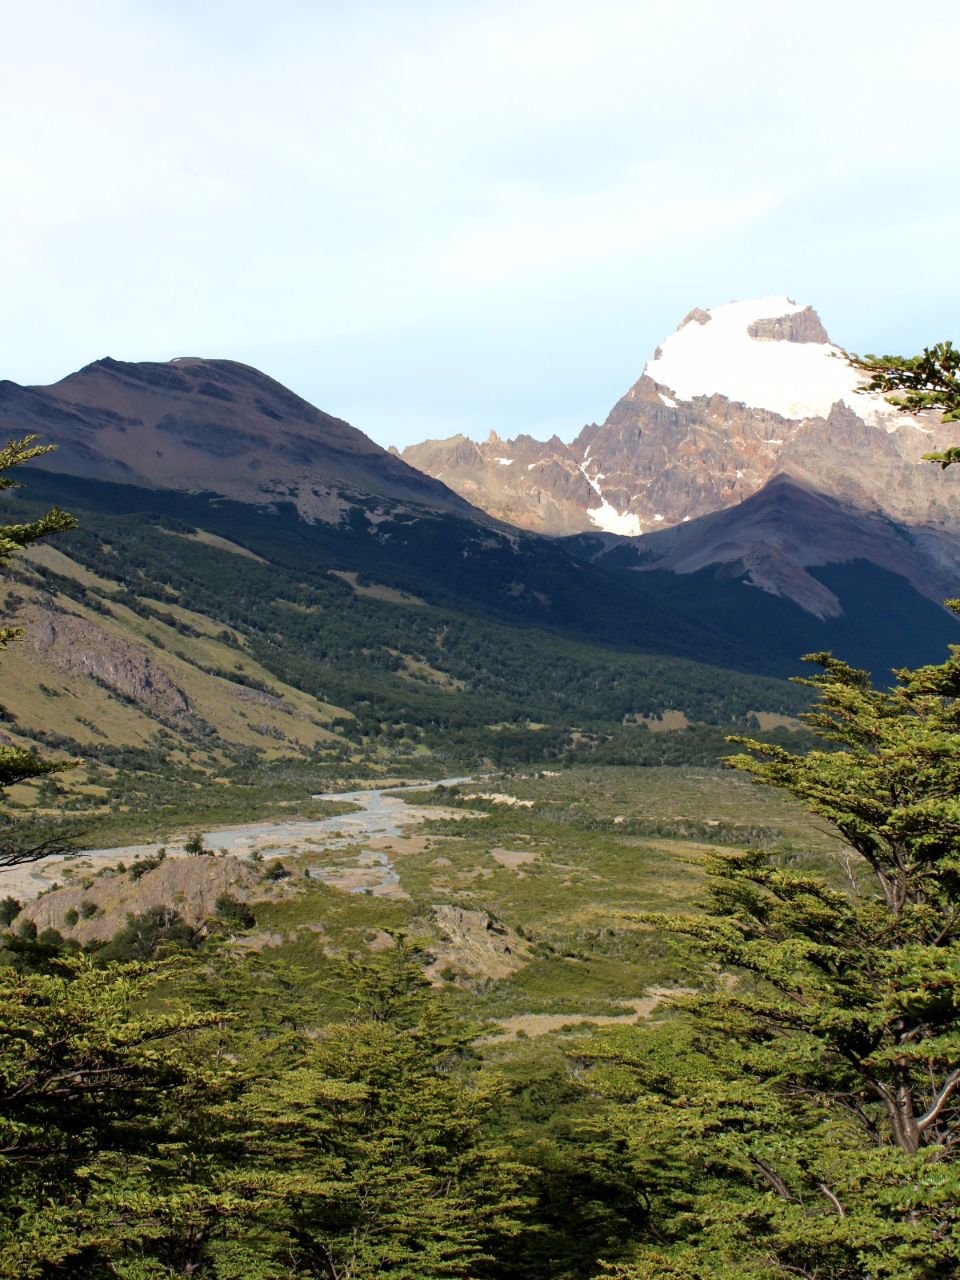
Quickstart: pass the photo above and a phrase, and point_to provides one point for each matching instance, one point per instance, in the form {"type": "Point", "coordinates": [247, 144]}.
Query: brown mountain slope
{"type": "Point", "coordinates": [211, 425]}
{"type": "Point", "coordinates": [786, 529]}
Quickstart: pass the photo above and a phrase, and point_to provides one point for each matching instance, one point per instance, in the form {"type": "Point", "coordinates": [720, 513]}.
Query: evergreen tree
{"type": "Point", "coordinates": [121, 1144]}
{"type": "Point", "coordinates": [17, 764]}
{"type": "Point", "coordinates": [380, 1132]}
{"type": "Point", "coordinates": [802, 1115]}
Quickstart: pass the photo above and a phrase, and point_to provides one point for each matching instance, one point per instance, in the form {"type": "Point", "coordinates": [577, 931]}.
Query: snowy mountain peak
{"type": "Point", "coordinates": [769, 353]}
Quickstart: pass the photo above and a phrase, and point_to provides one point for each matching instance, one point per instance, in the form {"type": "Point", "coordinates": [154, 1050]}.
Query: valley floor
{"type": "Point", "coordinates": [520, 884]}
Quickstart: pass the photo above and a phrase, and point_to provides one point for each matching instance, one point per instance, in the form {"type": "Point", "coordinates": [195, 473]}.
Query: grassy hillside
{"type": "Point", "coordinates": [169, 655]}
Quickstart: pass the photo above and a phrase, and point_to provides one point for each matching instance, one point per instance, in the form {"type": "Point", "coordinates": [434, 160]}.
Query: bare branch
{"type": "Point", "coordinates": [949, 1088]}
{"type": "Point", "coordinates": [773, 1179]}
{"type": "Point", "coordinates": [822, 1186]}
{"type": "Point", "coordinates": [55, 847]}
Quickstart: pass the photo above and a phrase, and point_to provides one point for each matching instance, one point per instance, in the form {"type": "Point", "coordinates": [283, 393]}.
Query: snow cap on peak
{"type": "Point", "coordinates": [769, 353]}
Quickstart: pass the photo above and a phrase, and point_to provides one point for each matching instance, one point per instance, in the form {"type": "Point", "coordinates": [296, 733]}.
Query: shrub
{"type": "Point", "coordinates": [9, 910]}
{"type": "Point", "coordinates": [143, 865]}
{"type": "Point", "coordinates": [233, 912]}
{"type": "Point", "coordinates": [143, 936]}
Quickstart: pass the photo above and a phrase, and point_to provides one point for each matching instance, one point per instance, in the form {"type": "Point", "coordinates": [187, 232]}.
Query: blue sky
{"type": "Point", "coordinates": [439, 217]}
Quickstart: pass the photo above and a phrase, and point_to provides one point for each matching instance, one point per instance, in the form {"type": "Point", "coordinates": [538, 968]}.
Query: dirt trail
{"type": "Point", "coordinates": [541, 1024]}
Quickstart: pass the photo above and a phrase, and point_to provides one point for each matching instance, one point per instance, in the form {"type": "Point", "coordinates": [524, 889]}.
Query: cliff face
{"type": "Point", "coordinates": [72, 644]}
{"type": "Point", "coordinates": [688, 459]}
{"type": "Point", "coordinates": [533, 484]}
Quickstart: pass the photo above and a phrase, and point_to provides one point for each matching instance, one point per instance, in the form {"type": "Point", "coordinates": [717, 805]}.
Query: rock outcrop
{"type": "Point", "coordinates": [76, 645]}
{"type": "Point", "coordinates": [189, 886]}
{"type": "Point", "coordinates": [473, 943]}
{"type": "Point", "coordinates": [535, 485]}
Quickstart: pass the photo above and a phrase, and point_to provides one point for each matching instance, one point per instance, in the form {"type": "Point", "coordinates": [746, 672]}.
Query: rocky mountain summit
{"type": "Point", "coordinates": [737, 397]}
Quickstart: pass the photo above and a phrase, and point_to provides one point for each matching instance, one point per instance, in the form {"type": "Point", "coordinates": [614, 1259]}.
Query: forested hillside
{"type": "Point", "coordinates": [185, 639]}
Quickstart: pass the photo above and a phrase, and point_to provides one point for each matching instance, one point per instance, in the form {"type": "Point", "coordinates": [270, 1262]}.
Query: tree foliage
{"type": "Point", "coordinates": [928, 381]}
{"type": "Point", "coordinates": [381, 1135]}
{"type": "Point", "coordinates": [802, 1116]}
{"type": "Point", "coordinates": [145, 1142]}
{"type": "Point", "coordinates": [17, 764]}
{"type": "Point", "coordinates": [101, 1146]}
{"type": "Point", "coordinates": [14, 537]}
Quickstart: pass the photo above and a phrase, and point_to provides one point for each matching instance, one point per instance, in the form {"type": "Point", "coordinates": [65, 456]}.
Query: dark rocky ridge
{"type": "Point", "coordinates": [801, 326]}
{"type": "Point", "coordinates": [780, 533]}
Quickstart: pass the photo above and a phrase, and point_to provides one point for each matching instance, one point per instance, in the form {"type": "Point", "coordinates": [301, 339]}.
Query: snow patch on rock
{"type": "Point", "coordinates": [591, 482]}
{"type": "Point", "coordinates": [607, 517]}
{"type": "Point", "coordinates": [610, 520]}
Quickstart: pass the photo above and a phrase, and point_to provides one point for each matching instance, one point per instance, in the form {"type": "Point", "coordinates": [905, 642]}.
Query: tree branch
{"type": "Point", "coordinates": [949, 1087]}
{"type": "Point", "coordinates": [822, 1186]}
{"type": "Point", "coordinates": [773, 1179]}
{"type": "Point", "coordinates": [55, 846]}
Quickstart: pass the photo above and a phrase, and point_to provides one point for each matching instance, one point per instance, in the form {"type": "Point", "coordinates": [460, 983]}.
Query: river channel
{"type": "Point", "coordinates": [381, 814]}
